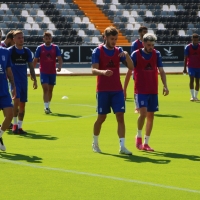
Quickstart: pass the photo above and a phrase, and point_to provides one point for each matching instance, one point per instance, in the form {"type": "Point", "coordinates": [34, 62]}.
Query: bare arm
{"type": "Point", "coordinates": [164, 81]}
{"type": "Point", "coordinates": [128, 62]}
{"type": "Point", "coordinates": [97, 71]}
{"type": "Point", "coordinates": [60, 62]}
{"type": "Point", "coordinates": [126, 81]}
{"type": "Point", "coordinates": [11, 80]}
{"type": "Point", "coordinates": [32, 73]}
{"type": "Point", "coordinates": [35, 61]}
{"type": "Point", "coordinates": [185, 64]}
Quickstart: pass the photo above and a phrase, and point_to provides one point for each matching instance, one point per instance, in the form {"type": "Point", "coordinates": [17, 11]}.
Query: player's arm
{"type": "Point", "coordinates": [126, 81]}
{"type": "Point", "coordinates": [127, 62]}
{"type": "Point", "coordinates": [32, 73]}
{"type": "Point", "coordinates": [164, 81]}
{"type": "Point", "coordinates": [186, 53]}
{"type": "Point", "coordinates": [60, 63]}
{"type": "Point", "coordinates": [97, 71]}
{"type": "Point", "coordinates": [35, 61]}
{"type": "Point", "coordinates": [11, 80]}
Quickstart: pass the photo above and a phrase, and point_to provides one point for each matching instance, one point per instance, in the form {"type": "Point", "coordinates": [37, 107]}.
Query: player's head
{"type": "Point", "coordinates": [195, 38]}
{"type": "Point", "coordinates": [110, 36]}
{"type": "Point", "coordinates": [9, 39]}
{"type": "Point", "coordinates": [149, 40]}
{"type": "Point", "coordinates": [142, 31]}
{"type": "Point", "coordinates": [47, 38]}
{"type": "Point", "coordinates": [18, 38]}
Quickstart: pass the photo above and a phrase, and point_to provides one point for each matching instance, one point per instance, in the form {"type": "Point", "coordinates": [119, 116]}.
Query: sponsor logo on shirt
{"type": "Point", "coordinates": [111, 64]}
{"type": "Point", "coordinates": [3, 58]}
{"type": "Point", "coordinates": [148, 67]}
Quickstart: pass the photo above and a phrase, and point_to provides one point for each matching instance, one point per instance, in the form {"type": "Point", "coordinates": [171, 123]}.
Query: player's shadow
{"type": "Point", "coordinates": [64, 115]}
{"type": "Point", "coordinates": [167, 115]}
{"type": "Point", "coordinates": [175, 155]}
{"type": "Point", "coordinates": [139, 159]}
{"type": "Point", "coordinates": [129, 99]}
{"type": "Point", "coordinates": [34, 135]}
{"type": "Point", "coordinates": [20, 157]}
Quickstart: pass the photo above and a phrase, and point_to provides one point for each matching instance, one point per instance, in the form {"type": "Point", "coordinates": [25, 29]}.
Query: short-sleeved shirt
{"type": "Point", "coordinates": [5, 62]}
{"type": "Point", "coordinates": [147, 57]}
{"type": "Point", "coordinates": [96, 54]}
{"type": "Point", "coordinates": [48, 48]}
{"type": "Point", "coordinates": [20, 70]}
{"type": "Point", "coordinates": [187, 48]}
{"type": "Point", "coordinates": [134, 46]}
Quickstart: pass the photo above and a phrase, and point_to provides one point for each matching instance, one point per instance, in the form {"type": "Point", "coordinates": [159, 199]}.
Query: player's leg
{"type": "Point", "coordinates": [118, 106]}
{"type": "Point", "coordinates": [52, 82]}
{"type": "Point", "coordinates": [21, 117]}
{"type": "Point", "coordinates": [141, 101]}
{"type": "Point", "coordinates": [197, 79]}
{"type": "Point", "coordinates": [103, 108]}
{"type": "Point", "coordinates": [191, 73]}
{"type": "Point", "coordinates": [50, 94]}
{"type": "Point", "coordinates": [16, 103]}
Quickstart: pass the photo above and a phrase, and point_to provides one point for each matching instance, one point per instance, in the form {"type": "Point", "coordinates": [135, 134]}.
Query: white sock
{"type": "Point", "coordinates": [195, 93]}
{"type": "Point", "coordinates": [146, 139]}
{"type": "Point", "coordinates": [121, 142]}
{"type": "Point", "coordinates": [1, 133]}
{"type": "Point", "coordinates": [95, 139]}
{"type": "Point", "coordinates": [46, 104]}
{"type": "Point", "coordinates": [192, 93]}
{"type": "Point", "coordinates": [139, 133]}
{"type": "Point", "coordinates": [20, 124]}
{"type": "Point", "coordinates": [15, 120]}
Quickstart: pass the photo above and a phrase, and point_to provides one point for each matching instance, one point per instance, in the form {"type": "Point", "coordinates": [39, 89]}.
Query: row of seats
{"type": "Point", "coordinates": [150, 1]}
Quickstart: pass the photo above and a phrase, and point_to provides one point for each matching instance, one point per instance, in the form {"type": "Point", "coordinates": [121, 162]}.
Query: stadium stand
{"type": "Point", "coordinates": [80, 22]}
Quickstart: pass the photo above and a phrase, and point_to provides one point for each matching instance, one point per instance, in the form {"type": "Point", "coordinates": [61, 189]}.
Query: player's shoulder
{"type": "Point", "coordinates": [187, 46]}
{"type": "Point", "coordinates": [157, 52]}
{"type": "Point", "coordinates": [96, 50]}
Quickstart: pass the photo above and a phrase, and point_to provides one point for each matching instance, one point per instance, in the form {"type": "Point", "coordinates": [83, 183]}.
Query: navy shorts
{"type": "Point", "coordinates": [108, 100]}
{"type": "Point", "coordinates": [195, 72]}
{"type": "Point", "coordinates": [22, 91]}
{"type": "Point", "coordinates": [150, 101]}
{"type": "Point", "coordinates": [48, 79]}
{"type": "Point", "coordinates": [5, 102]}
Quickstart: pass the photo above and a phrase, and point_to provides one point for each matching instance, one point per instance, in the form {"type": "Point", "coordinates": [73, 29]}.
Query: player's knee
{"type": "Point", "coordinates": [101, 119]}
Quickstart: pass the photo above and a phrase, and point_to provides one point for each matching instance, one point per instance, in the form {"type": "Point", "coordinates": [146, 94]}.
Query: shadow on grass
{"type": "Point", "coordinates": [20, 157]}
{"type": "Point", "coordinates": [168, 115]}
{"type": "Point", "coordinates": [64, 115]}
{"type": "Point", "coordinates": [34, 135]}
{"type": "Point", "coordinates": [175, 155]}
{"type": "Point", "coordinates": [139, 159]}
{"type": "Point", "coordinates": [130, 99]}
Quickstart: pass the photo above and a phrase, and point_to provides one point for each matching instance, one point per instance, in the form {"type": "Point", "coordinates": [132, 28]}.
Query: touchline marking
{"type": "Point", "coordinates": [64, 118]}
{"type": "Point", "coordinates": [101, 176]}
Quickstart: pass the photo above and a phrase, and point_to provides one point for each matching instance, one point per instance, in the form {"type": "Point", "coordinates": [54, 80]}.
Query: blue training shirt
{"type": "Point", "coordinates": [147, 57]}
{"type": "Point", "coordinates": [20, 71]}
{"type": "Point", "coordinates": [5, 62]}
{"type": "Point", "coordinates": [186, 50]}
{"type": "Point", "coordinates": [38, 50]}
{"type": "Point", "coordinates": [96, 54]}
{"type": "Point", "coordinates": [134, 46]}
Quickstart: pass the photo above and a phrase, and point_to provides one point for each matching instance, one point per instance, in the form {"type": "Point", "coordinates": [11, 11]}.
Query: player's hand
{"type": "Point", "coordinates": [35, 85]}
{"type": "Point", "coordinates": [165, 91]}
{"type": "Point", "coordinates": [185, 71]}
{"type": "Point", "coordinates": [58, 69]}
{"type": "Point", "coordinates": [13, 91]}
{"type": "Point", "coordinates": [122, 54]}
{"type": "Point", "coordinates": [108, 72]}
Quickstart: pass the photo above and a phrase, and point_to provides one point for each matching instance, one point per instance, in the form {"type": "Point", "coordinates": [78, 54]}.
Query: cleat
{"type": "Point", "coordinates": [2, 147]}
{"type": "Point", "coordinates": [50, 111]}
{"type": "Point", "coordinates": [136, 110]}
{"type": "Point", "coordinates": [21, 131]}
{"type": "Point", "coordinates": [11, 126]}
{"type": "Point", "coordinates": [15, 128]}
{"type": "Point", "coordinates": [95, 148]}
{"type": "Point", "coordinates": [47, 111]}
{"type": "Point", "coordinates": [192, 99]}
{"type": "Point", "coordinates": [146, 147]}
{"type": "Point", "coordinates": [138, 143]}
{"type": "Point", "coordinates": [125, 151]}
{"type": "Point", "coordinates": [196, 99]}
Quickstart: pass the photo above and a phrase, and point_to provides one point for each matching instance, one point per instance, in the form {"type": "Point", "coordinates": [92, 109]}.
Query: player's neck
{"type": "Point", "coordinates": [19, 46]}
{"type": "Point", "coordinates": [145, 51]}
{"type": "Point", "coordinates": [47, 45]}
{"type": "Point", "coordinates": [108, 47]}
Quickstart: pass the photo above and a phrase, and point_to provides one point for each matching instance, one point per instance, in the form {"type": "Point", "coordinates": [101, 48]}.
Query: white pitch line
{"type": "Point", "coordinates": [102, 176]}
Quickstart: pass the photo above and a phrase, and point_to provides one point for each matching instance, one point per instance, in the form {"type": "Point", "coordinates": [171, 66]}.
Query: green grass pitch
{"type": "Point", "coordinates": [55, 160]}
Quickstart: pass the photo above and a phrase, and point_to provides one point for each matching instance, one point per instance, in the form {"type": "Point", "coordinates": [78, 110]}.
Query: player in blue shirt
{"type": "Point", "coordinates": [5, 99]}
{"type": "Point", "coordinates": [20, 56]}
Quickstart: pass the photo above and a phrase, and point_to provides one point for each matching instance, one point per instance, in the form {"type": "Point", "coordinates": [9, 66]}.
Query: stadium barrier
{"type": "Point", "coordinates": [82, 54]}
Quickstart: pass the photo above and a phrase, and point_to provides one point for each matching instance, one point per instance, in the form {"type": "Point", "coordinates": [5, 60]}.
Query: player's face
{"type": "Point", "coordinates": [149, 46]}
{"type": "Point", "coordinates": [19, 39]}
{"type": "Point", "coordinates": [111, 41]}
{"type": "Point", "coordinates": [195, 40]}
{"type": "Point", "coordinates": [47, 40]}
{"type": "Point", "coordinates": [143, 33]}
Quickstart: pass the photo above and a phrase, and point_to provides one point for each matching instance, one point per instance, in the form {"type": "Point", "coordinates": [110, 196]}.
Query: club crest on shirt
{"type": "Point", "coordinates": [3, 58]}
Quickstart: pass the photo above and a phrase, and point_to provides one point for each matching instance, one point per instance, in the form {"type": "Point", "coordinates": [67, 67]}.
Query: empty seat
{"type": "Point", "coordinates": [181, 32]}
{"type": "Point", "coordinates": [129, 26]}
{"type": "Point", "coordinates": [77, 20]}
{"type": "Point", "coordinates": [4, 6]}
{"type": "Point", "coordinates": [61, 1]}
{"type": "Point", "coordinates": [91, 27]}
{"type": "Point", "coordinates": [51, 26]}
{"type": "Point", "coordinates": [115, 2]}
{"type": "Point", "coordinates": [161, 26]}
{"type": "Point", "coordinates": [35, 26]}
{"type": "Point", "coordinates": [27, 26]}
{"type": "Point", "coordinates": [95, 40]}
{"type": "Point", "coordinates": [100, 2]}
{"type": "Point", "coordinates": [40, 13]}
{"type": "Point", "coordinates": [126, 13]}
{"type": "Point", "coordinates": [131, 20]}
{"type": "Point", "coordinates": [86, 20]}
{"type": "Point", "coordinates": [81, 32]}
{"type": "Point", "coordinates": [46, 20]}
{"type": "Point", "coordinates": [33, 12]}
{"type": "Point", "coordinates": [165, 8]}
{"type": "Point", "coordinates": [30, 20]}
{"type": "Point", "coordinates": [113, 7]}
{"type": "Point", "coordinates": [149, 13]}
{"type": "Point", "coordinates": [172, 8]}
{"type": "Point", "coordinates": [134, 13]}
{"type": "Point", "coordinates": [24, 13]}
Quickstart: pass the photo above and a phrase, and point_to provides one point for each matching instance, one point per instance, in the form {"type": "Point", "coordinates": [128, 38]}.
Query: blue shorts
{"type": "Point", "coordinates": [195, 72]}
{"type": "Point", "coordinates": [22, 91]}
{"type": "Point", "coordinates": [108, 100]}
{"type": "Point", "coordinates": [5, 102]}
{"type": "Point", "coordinates": [147, 100]}
{"type": "Point", "coordinates": [48, 79]}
